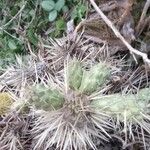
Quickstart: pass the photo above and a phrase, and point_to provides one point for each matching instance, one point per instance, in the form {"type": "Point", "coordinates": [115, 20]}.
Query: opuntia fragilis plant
{"type": "Point", "coordinates": [130, 110]}
{"type": "Point", "coordinates": [70, 123]}
{"type": "Point", "coordinates": [70, 116]}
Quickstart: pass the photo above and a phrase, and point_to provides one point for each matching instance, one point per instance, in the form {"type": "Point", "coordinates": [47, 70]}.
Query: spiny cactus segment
{"type": "Point", "coordinates": [45, 98]}
{"type": "Point", "coordinates": [75, 73]}
{"type": "Point", "coordinates": [94, 78]}
{"type": "Point", "coordinates": [87, 81]}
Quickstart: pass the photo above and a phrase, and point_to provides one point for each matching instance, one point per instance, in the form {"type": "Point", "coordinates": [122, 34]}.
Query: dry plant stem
{"type": "Point", "coordinates": [3, 26]}
{"type": "Point", "coordinates": [145, 9]}
{"type": "Point", "coordinates": [118, 34]}
{"type": "Point", "coordinates": [13, 17]}
{"type": "Point", "coordinates": [30, 49]}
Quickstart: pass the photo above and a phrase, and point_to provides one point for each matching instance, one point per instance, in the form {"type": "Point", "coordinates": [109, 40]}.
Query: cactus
{"type": "Point", "coordinates": [131, 110]}
{"type": "Point", "coordinates": [87, 81]}
{"type": "Point", "coordinates": [117, 104]}
{"type": "Point", "coordinates": [73, 125]}
{"type": "Point", "coordinates": [46, 99]}
{"type": "Point", "coordinates": [78, 115]}
{"type": "Point", "coordinates": [94, 78]}
{"type": "Point", "coordinates": [75, 73]}
{"type": "Point", "coordinates": [5, 103]}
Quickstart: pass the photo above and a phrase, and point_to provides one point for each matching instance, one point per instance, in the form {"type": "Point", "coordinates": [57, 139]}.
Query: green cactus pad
{"type": "Point", "coordinates": [119, 105]}
{"type": "Point", "coordinates": [5, 103]}
{"type": "Point", "coordinates": [144, 94]}
{"type": "Point", "coordinates": [46, 99]}
{"type": "Point", "coordinates": [94, 78]}
{"type": "Point", "coordinates": [75, 73]}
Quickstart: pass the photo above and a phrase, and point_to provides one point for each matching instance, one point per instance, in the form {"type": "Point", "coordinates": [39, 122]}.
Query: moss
{"type": "Point", "coordinates": [5, 103]}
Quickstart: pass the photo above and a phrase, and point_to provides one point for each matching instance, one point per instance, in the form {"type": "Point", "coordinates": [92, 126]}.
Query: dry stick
{"type": "Point", "coordinates": [117, 33]}
{"type": "Point", "coordinates": [14, 17]}
{"type": "Point", "coordinates": [145, 9]}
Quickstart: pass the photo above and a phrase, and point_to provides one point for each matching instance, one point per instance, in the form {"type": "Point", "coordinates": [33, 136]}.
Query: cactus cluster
{"type": "Point", "coordinates": [69, 116]}
{"type": "Point", "coordinates": [76, 110]}
{"type": "Point", "coordinates": [70, 124]}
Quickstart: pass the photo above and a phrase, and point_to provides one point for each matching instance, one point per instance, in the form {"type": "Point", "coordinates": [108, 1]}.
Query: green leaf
{"type": "Point", "coordinates": [32, 37]}
{"type": "Point", "coordinates": [52, 15]}
{"type": "Point", "coordinates": [59, 5]}
{"type": "Point", "coordinates": [12, 45]}
{"type": "Point", "coordinates": [81, 11]}
{"type": "Point", "coordinates": [74, 13]}
{"type": "Point", "coordinates": [65, 9]}
{"type": "Point", "coordinates": [60, 24]}
{"type": "Point", "coordinates": [48, 5]}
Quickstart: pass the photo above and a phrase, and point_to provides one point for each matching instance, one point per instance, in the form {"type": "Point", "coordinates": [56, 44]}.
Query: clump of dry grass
{"type": "Point", "coordinates": [25, 71]}
{"type": "Point", "coordinates": [14, 131]}
{"type": "Point", "coordinates": [14, 123]}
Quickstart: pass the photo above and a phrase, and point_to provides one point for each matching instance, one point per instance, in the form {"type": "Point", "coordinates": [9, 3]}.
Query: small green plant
{"type": "Point", "coordinates": [53, 8]}
{"type": "Point", "coordinates": [79, 12]}
{"type": "Point", "coordinates": [60, 27]}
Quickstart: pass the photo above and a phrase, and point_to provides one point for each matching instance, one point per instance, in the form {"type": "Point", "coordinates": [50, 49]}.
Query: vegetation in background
{"type": "Point", "coordinates": [22, 23]}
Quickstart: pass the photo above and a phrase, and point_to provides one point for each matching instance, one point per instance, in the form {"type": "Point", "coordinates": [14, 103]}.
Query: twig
{"type": "Point", "coordinates": [139, 29]}
{"type": "Point", "coordinates": [14, 16]}
{"type": "Point", "coordinates": [36, 8]}
{"type": "Point", "coordinates": [145, 9]}
{"type": "Point", "coordinates": [142, 18]}
{"type": "Point", "coordinates": [10, 35]}
{"type": "Point", "coordinates": [30, 49]}
{"type": "Point", "coordinates": [3, 26]}
{"type": "Point", "coordinates": [118, 34]}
